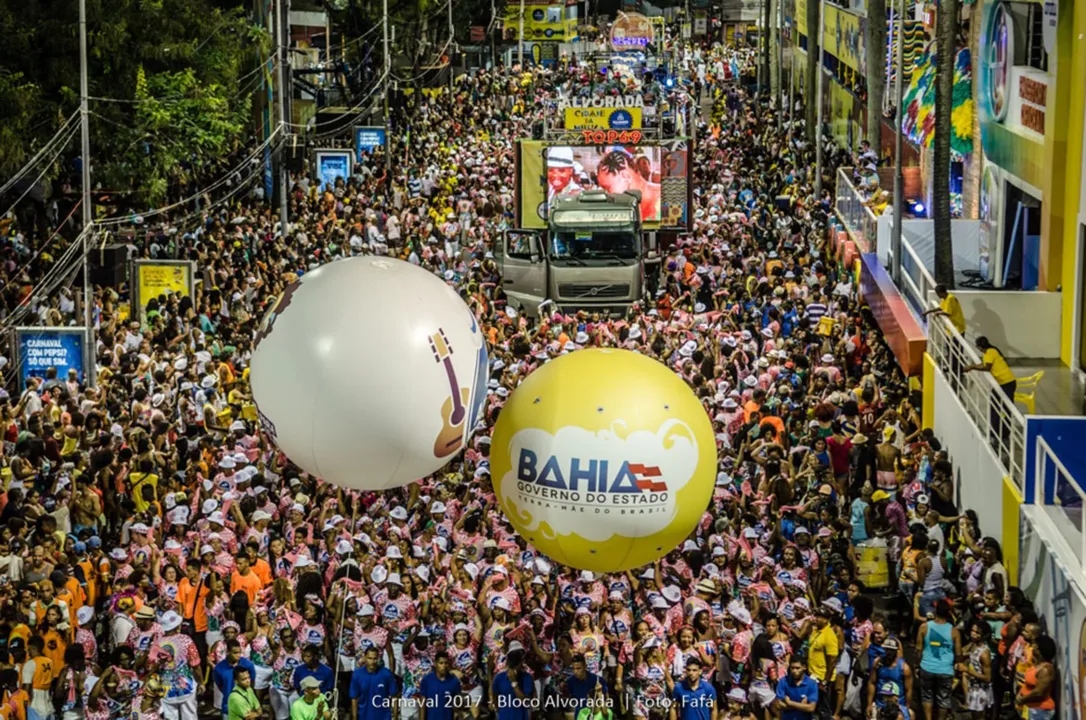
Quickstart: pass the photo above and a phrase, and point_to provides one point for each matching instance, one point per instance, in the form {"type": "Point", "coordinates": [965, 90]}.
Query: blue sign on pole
{"type": "Point", "coordinates": [268, 190]}
{"type": "Point", "coordinates": [42, 348]}
{"type": "Point", "coordinates": [367, 139]}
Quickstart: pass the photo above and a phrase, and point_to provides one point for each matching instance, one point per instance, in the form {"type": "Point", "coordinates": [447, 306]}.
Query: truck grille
{"type": "Point", "coordinates": [590, 291]}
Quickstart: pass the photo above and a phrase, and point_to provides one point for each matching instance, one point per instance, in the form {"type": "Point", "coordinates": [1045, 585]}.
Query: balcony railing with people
{"type": "Point", "coordinates": [917, 284]}
{"type": "Point", "coordinates": [994, 413]}
{"type": "Point", "coordinates": [860, 221]}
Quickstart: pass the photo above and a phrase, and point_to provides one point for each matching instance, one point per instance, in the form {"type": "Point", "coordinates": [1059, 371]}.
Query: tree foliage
{"type": "Point", "coordinates": [178, 77]}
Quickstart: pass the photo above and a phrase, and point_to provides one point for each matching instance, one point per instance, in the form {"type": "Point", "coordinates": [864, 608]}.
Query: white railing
{"type": "Point", "coordinates": [994, 413]}
{"type": "Point", "coordinates": [917, 283]}
{"type": "Point", "coordinates": [1059, 495]}
{"type": "Point", "coordinates": [859, 220]}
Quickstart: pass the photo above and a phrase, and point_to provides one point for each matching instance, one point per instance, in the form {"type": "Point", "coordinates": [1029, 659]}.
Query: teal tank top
{"type": "Point", "coordinates": [938, 657]}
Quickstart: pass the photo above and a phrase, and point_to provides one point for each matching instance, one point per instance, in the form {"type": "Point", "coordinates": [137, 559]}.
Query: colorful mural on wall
{"type": "Point", "coordinates": [920, 102]}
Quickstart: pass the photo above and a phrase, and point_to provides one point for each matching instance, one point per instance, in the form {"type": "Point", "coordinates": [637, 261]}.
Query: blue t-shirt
{"type": "Point", "coordinates": [223, 675]}
{"type": "Point", "coordinates": [439, 695]}
{"type": "Point", "coordinates": [373, 691]}
{"type": "Point", "coordinates": [805, 692]}
{"type": "Point", "coordinates": [322, 673]}
{"type": "Point", "coordinates": [581, 691]}
{"type": "Point", "coordinates": [510, 707]}
{"type": "Point", "coordinates": [694, 703]}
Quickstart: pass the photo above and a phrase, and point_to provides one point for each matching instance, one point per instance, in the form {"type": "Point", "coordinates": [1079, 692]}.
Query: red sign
{"type": "Point", "coordinates": [1034, 96]}
{"type": "Point", "coordinates": [611, 137]}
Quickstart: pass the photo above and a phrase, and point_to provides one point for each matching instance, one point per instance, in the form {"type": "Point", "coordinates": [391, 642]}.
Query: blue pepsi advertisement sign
{"type": "Point", "coordinates": [39, 349]}
{"type": "Point", "coordinates": [367, 139]}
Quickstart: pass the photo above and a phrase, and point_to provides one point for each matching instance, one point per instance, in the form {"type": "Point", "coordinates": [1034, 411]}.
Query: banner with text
{"type": "Point", "coordinates": [39, 349]}
{"type": "Point", "coordinates": [160, 277]}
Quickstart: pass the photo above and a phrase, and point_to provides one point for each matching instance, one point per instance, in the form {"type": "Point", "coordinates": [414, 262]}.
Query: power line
{"type": "Point", "coordinates": [348, 113]}
{"type": "Point", "coordinates": [70, 133]}
{"type": "Point", "coordinates": [122, 219]}
{"type": "Point", "coordinates": [274, 58]}
{"type": "Point", "coordinates": [34, 160]}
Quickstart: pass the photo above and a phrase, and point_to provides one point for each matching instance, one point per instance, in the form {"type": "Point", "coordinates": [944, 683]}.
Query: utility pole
{"type": "Point", "coordinates": [493, 47]}
{"type": "Point", "coordinates": [520, 38]}
{"type": "Point", "coordinates": [282, 33]}
{"type": "Point", "coordinates": [779, 34]}
{"type": "Point", "coordinates": [91, 372]}
{"type": "Point", "coordinates": [818, 101]}
{"type": "Point", "coordinates": [388, 72]}
{"type": "Point", "coordinates": [899, 173]}
{"type": "Point", "coordinates": [452, 47]}
{"type": "Point", "coordinates": [791, 87]}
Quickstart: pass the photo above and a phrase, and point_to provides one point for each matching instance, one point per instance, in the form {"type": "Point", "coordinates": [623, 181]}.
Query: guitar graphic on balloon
{"type": "Point", "coordinates": [454, 411]}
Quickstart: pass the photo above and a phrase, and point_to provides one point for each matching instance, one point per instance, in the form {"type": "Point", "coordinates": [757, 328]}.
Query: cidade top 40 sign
{"type": "Point", "coordinates": [631, 31]}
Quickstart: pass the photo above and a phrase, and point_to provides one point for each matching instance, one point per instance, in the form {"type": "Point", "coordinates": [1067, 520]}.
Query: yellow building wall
{"type": "Point", "coordinates": [1066, 146]}
{"type": "Point", "coordinates": [1012, 504]}
{"type": "Point", "coordinates": [927, 407]}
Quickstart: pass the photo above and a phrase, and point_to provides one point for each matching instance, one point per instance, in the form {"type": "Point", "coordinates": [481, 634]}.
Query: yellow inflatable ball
{"type": "Point", "coordinates": [603, 460]}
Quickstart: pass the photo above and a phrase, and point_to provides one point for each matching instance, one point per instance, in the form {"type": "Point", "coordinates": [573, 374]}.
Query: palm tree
{"type": "Point", "coordinates": [946, 34]}
{"type": "Point", "coordinates": [813, 7]}
{"type": "Point", "coordinates": [876, 70]}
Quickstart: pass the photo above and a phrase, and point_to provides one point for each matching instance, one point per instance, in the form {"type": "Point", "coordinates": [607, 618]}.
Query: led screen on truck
{"type": "Point", "coordinates": [614, 168]}
{"type": "Point", "coordinates": [660, 167]}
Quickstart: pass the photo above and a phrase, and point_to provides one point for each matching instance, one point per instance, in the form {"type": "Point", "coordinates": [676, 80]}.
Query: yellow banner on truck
{"type": "Point", "coordinates": [603, 118]}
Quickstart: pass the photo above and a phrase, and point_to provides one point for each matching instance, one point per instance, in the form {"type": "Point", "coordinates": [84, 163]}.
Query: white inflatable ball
{"type": "Point", "coordinates": [369, 372]}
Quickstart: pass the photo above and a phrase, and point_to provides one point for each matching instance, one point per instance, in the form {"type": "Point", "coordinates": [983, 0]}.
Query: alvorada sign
{"type": "Point", "coordinates": [609, 101]}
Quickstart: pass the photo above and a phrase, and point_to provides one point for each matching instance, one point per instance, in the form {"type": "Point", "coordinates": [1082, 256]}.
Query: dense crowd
{"type": "Point", "coordinates": [160, 558]}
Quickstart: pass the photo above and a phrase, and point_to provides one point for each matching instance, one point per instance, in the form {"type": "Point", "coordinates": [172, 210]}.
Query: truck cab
{"type": "Point", "coordinates": [593, 256]}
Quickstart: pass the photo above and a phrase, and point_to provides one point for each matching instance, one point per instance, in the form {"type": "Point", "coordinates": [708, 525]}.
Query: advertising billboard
{"type": "Point", "coordinates": [631, 31]}
{"type": "Point", "coordinates": [160, 277]}
{"type": "Point", "coordinates": [332, 164]}
{"type": "Point", "coordinates": [543, 21]}
{"type": "Point", "coordinates": [602, 118]}
{"type": "Point", "coordinates": [40, 348]}
{"type": "Point", "coordinates": [367, 139]}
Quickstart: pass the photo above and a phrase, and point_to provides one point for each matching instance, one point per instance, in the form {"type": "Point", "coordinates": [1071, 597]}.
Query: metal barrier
{"type": "Point", "coordinates": [1061, 498]}
{"type": "Point", "coordinates": [859, 220]}
{"type": "Point", "coordinates": [918, 285]}
{"type": "Point", "coordinates": [995, 414]}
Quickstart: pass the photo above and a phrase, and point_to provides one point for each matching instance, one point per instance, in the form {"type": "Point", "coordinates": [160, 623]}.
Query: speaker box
{"type": "Point", "coordinates": [294, 155]}
{"type": "Point", "coordinates": [109, 265]}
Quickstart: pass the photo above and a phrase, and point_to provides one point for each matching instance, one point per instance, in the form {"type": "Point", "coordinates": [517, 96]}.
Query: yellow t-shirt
{"type": "Point", "coordinates": [953, 309]}
{"type": "Point", "coordinates": [138, 481]}
{"type": "Point", "coordinates": [1000, 370]}
{"type": "Point", "coordinates": [823, 645]}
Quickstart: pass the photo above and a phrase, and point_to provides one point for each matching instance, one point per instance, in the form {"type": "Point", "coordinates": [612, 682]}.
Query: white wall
{"type": "Point", "coordinates": [1057, 593]}
{"type": "Point", "coordinates": [1023, 324]}
{"type": "Point", "coordinates": [978, 475]}
{"type": "Point", "coordinates": [920, 236]}
{"type": "Point", "coordinates": [965, 236]}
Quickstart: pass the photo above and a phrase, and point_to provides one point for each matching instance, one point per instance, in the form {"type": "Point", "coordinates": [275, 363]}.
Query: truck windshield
{"type": "Point", "coordinates": [594, 245]}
